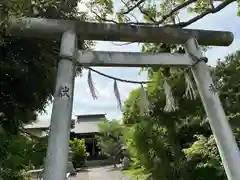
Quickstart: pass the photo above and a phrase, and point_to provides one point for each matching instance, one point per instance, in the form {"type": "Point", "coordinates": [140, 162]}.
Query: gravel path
{"type": "Point", "coordinates": [100, 173]}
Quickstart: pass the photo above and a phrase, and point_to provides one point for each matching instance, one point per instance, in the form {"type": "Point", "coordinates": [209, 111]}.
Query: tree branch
{"type": "Point", "coordinates": [181, 6]}
{"type": "Point", "coordinates": [146, 14]}
{"type": "Point", "coordinates": [104, 19]}
{"type": "Point", "coordinates": [200, 16]}
{"type": "Point", "coordinates": [165, 17]}
{"type": "Point", "coordinates": [211, 3]}
{"type": "Point", "coordinates": [133, 7]}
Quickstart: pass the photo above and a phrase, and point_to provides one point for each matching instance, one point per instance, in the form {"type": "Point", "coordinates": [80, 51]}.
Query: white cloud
{"type": "Point", "coordinates": [83, 103]}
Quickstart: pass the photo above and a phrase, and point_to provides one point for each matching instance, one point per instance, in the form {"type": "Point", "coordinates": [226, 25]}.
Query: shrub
{"type": "Point", "coordinates": [79, 152]}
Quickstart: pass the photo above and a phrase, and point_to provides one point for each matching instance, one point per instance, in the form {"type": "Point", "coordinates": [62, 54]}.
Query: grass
{"type": "Point", "coordinates": [135, 173]}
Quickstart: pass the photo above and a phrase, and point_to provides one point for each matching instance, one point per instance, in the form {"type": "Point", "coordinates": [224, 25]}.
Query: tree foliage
{"type": "Point", "coordinates": [227, 74]}
{"type": "Point", "coordinates": [28, 72]}
{"type": "Point", "coordinates": [167, 13]}
{"type": "Point", "coordinates": [32, 70]}
{"type": "Point", "coordinates": [23, 153]}
{"type": "Point", "coordinates": [110, 139]}
{"type": "Point", "coordinates": [79, 152]}
{"type": "Point", "coordinates": [203, 159]}
{"type": "Point", "coordinates": [179, 145]}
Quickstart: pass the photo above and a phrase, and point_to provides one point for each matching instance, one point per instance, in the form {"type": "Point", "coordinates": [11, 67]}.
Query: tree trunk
{"type": "Point", "coordinates": [178, 156]}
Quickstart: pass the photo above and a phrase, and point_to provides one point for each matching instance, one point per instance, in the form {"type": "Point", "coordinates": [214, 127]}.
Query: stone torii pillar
{"type": "Point", "coordinates": [58, 146]}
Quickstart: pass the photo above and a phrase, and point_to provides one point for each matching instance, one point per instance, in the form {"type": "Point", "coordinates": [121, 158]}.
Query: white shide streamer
{"type": "Point", "coordinates": [190, 91]}
{"type": "Point", "coordinates": [170, 101]}
{"type": "Point", "coordinates": [91, 85]}
{"type": "Point", "coordinates": [143, 101]}
{"type": "Point", "coordinates": [117, 94]}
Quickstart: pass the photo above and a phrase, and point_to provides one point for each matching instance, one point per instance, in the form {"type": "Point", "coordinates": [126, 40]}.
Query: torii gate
{"type": "Point", "coordinates": [67, 31]}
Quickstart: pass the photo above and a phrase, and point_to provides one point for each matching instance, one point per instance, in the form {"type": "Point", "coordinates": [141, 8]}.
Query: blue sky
{"type": "Point", "coordinates": [83, 103]}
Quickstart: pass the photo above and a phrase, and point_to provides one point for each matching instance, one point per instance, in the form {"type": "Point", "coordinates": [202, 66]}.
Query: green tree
{"type": "Point", "coordinates": [203, 160]}
{"type": "Point", "coordinates": [164, 13]}
{"type": "Point", "coordinates": [163, 143]}
{"type": "Point", "coordinates": [17, 157]}
{"type": "Point", "coordinates": [172, 131]}
{"type": "Point", "coordinates": [110, 139]}
{"type": "Point", "coordinates": [25, 152]}
{"type": "Point", "coordinates": [32, 70]}
{"type": "Point", "coordinates": [38, 151]}
{"type": "Point", "coordinates": [27, 71]}
{"type": "Point", "coordinates": [79, 152]}
{"type": "Point", "coordinates": [227, 74]}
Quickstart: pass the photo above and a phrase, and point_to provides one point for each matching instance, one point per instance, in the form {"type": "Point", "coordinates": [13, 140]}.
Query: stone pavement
{"type": "Point", "coordinates": [100, 173]}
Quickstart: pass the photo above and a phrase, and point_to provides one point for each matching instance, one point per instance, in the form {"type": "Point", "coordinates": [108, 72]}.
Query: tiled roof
{"type": "Point", "coordinates": [84, 124]}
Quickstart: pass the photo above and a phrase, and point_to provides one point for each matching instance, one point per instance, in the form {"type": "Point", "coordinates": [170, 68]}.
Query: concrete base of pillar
{"type": "Point", "coordinates": [70, 168]}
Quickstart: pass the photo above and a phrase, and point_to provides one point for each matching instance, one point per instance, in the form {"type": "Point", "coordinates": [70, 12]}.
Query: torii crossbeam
{"type": "Point", "coordinates": [69, 31]}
